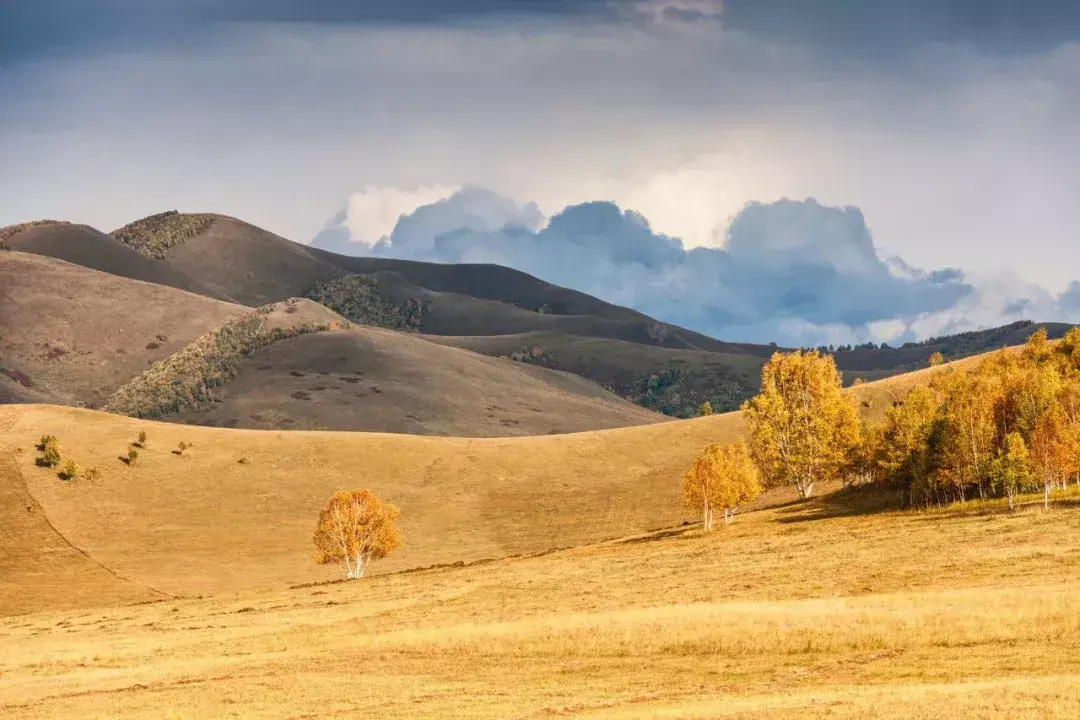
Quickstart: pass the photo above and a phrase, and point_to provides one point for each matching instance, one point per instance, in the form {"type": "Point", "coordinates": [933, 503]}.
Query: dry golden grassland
{"type": "Point", "coordinates": [817, 609]}
{"type": "Point", "coordinates": [794, 611]}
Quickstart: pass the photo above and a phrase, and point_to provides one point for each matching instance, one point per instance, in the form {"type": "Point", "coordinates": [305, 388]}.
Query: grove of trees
{"type": "Point", "coordinates": [1005, 426]}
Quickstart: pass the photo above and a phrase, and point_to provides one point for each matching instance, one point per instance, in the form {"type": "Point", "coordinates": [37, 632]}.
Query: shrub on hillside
{"type": "Point", "coordinates": [50, 451]}
{"type": "Point", "coordinates": [196, 374]}
{"type": "Point", "coordinates": [357, 298]}
{"type": "Point", "coordinates": [71, 470]}
{"type": "Point", "coordinates": [154, 235]}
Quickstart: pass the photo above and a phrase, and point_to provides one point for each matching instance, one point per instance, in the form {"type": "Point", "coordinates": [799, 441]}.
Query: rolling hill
{"type": "Point", "coordinates": [489, 309]}
{"type": "Point", "coordinates": [377, 380]}
{"type": "Point", "coordinates": [76, 336]}
{"type": "Point", "coordinates": [72, 335]}
{"type": "Point", "coordinates": [205, 522]}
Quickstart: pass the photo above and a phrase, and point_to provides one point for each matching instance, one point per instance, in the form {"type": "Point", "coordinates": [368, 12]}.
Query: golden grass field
{"type": "Point", "coordinates": [818, 609]}
{"type": "Point", "coordinates": [794, 611]}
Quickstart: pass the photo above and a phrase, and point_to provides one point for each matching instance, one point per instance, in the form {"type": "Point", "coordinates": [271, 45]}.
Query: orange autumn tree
{"type": "Point", "coordinates": [354, 529]}
{"type": "Point", "coordinates": [803, 424]}
{"type": "Point", "coordinates": [722, 477]}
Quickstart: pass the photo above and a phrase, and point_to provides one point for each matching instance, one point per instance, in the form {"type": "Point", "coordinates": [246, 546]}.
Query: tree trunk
{"type": "Point", "coordinates": [706, 520]}
{"type": "Point", "coordinates": [982, 495]}
{"type": "Point", "coordinates": [1046, 496]}
{"type": "Point", "coordinates": [1010, 494]}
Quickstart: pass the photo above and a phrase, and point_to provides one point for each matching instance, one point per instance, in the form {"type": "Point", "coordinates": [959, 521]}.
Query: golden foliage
{"type": "Point", "coordinates": [802, 423]}
{"type": "Point", "coordinates": [722, 477]}
{"type": "Point", "coordinates": [1008, 426]}
{"type": "Point", "coordinates": [354, 529]}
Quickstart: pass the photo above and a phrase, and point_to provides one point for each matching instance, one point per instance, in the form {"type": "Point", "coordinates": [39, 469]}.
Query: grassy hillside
{"type": "Point", "coordinates": [813, 610]}
{"type": "Point", "coordinates": [377, 380]}
{"type": "Point", "coordinates": [74, 335]}
{"type": "Point", "coordinates": [85, 246]}
{"type": "Point", "coordinates": [201, 519]}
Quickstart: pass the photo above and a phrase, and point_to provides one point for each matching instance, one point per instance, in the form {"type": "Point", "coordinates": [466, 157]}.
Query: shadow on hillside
{"type": "Point", "coordinates": [847, 502]}
{"type": "Point", "coordinates": [659, 534]}
{"type": "Point", "coordinates": [997, 507]}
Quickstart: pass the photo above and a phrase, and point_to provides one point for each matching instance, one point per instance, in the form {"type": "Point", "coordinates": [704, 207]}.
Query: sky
{"type": "Point", "coordinates": [790, 170]}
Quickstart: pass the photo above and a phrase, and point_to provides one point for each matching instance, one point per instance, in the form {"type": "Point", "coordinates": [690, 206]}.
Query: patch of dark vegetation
{"type": "Point", "coordinates": [196, 375]}
{"type": "Point", "coordinates": [17, 376]}
{"type": "Point", "coordinates": [152, 346]}
{"type": "Point", "coordinates": [266, 367]}
{"type": "Point", "coordinates": [350, 380]}
{"type": "Point", "coordinates": [154, 235]}
{"type": "Point", "coordinates": [296, 373]}
{"type": "Point", "coordinates": [319, 388]}
{"type": "Point", "coordinates": [52, 353]}
{"type": "Point", "coordinates": [674, 392]}
{"type": "Point", "coordinates": [357, 298]}
{"type": "Point", "coordinates": [245, 610]}
{"type": "Point", "coordinates": [299, 395]}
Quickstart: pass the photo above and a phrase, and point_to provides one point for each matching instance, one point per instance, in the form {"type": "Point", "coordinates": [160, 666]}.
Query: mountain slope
{"type": "Point", "coordinates": [74, 335]}
{"type": "Point", "coordinates": [378, 380]}
{"type": "Point", "coordinates": [85, 246]}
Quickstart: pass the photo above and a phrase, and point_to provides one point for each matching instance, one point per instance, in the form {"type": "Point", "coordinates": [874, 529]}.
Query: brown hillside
{"type": "Point", "coordinates": [74, 334]}
{"type": "Point", "coordinates": [378, 380]}
{"type": "Point", "coordinates": [83, 245]}
{"type": "Point", "coordinates": [251, 265]}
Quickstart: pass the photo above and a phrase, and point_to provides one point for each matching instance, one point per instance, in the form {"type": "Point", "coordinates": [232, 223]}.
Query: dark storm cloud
{"type": "Point", "coordinates": [882, 28]}
{"type": "Point", "coordinates": [790, 270]}
{"type": "Point", "coordinates": [35, 29]}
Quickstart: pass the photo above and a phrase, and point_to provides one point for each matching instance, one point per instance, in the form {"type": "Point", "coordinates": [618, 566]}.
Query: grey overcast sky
{"type": "Point", "coordinates": [949, 124]}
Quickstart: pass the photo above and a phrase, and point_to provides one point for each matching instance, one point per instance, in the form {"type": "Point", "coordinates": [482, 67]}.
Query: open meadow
{"type": "Point", "coordinates": [800, 610]}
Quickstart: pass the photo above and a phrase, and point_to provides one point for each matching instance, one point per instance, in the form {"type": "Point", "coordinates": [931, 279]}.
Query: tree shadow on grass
{"type": "Point", "coordinates": [659, 534]}
{"type": "Point", "coordinates": [847, 502]}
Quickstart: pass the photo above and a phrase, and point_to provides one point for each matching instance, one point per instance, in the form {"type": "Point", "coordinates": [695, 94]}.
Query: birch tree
{"type": "Point", "coordinates": [803, 424]}
{"type": "Point", "coordinates": [354, 529]}
{"type": "Point", "coordinates": [721, 478]}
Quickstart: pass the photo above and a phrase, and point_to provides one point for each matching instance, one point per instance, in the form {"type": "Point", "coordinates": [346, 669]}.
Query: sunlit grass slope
{"type": "Point", "coordinates": [206, 522]}
{"type": "Point", "coordinates": [809, 611]}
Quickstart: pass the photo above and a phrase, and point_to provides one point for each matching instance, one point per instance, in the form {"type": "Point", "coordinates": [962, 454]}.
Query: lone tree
{"type": "Point", "coordinates": [354, 529]}
{"type": "Point", "coordinates": [704, 409]}
{"type": "Point", "coordinates": [936, 359]}
{"type": "Point", "coordinates": [721, 477]}
{"type": "Point", "coordinates": [802, 423]}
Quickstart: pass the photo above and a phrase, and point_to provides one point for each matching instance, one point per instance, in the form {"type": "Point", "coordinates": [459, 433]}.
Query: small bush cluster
{"type": "Point", "coordinates": [154, 235]}
{"type": "Point", "coordinates": [196, 374]}
{"type": "Point", "coordinates": [49, 447]}
{"type": "Point", "coordinates": [357, 298]}
{"type": "Point", "coordinates": [535, 355]}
